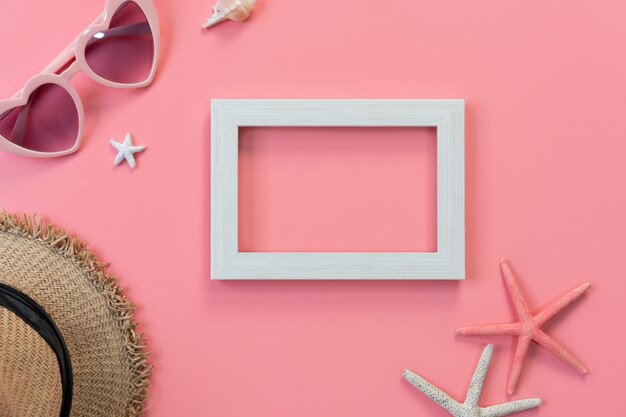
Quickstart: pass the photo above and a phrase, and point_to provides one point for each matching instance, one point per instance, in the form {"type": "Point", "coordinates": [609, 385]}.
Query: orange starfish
{"type": "Point", "coordinates": [529, 327]}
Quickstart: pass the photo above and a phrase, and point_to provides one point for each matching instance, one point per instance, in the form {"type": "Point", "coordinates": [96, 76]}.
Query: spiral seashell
{"type": "Point", "coordinates": [236, 10]}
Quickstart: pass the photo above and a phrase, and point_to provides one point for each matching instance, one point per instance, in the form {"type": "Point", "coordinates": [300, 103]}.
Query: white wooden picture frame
{"type": "Point", "coordinates": [448, 262]}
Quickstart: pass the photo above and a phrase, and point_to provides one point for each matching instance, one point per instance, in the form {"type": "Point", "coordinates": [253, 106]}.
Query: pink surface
{"type": "Point", "coordinates": [545, 91]}
{"type": "Point", "coordinates": [338, 189]}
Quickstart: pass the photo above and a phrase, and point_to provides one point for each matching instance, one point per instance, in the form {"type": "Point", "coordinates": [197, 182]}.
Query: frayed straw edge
{"type": "Point", "coordinates": [74, 250]}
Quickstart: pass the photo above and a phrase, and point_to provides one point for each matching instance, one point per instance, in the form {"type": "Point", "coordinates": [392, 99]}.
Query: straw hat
{"type": "Point", "coordinates": [67, 336]}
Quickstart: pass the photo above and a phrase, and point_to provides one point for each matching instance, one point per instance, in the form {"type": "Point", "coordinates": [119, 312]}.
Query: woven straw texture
{"type": "Point", "coordinates": [109, 363]}
{"type": "Point", "coordinates": [25, 357]}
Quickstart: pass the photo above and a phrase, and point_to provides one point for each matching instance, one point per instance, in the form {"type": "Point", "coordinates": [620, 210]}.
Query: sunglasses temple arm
{"type": "Point", "coordinates": [59, 62]}
{"type": "Point", "coordinates": [135, 29]}
{"type": "Point", "coordinates": [64, 57]}
{"type": "Point", "coordinates": [68, 53]}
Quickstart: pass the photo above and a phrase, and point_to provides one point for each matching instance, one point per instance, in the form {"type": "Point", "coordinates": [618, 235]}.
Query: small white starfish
{"type": "Point", "coordinates": [470, 407]}
{"type": "Point", "coordinates": [126, 150]}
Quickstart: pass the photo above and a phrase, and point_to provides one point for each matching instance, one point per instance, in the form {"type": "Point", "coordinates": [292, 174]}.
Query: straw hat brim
{"type": "Point", "coordinates": [109, 361]}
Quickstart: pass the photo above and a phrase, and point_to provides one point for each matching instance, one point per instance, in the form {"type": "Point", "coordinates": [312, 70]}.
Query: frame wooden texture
{"type": "Point", "coordinates": [227, 263]}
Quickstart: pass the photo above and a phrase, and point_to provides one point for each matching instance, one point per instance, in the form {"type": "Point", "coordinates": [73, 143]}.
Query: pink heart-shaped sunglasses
{"type": "Point", "coordinates": [119, 49]}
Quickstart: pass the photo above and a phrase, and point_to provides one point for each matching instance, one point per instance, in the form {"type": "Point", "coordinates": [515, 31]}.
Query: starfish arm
{"type": "Point", "coordinates": [119, 158]}
{"type": "Point", "coordinates": [523, 342]}
{"type": "Point", "coordinates": [490, 330]}
{"type": "Point", "coordinates": [476, 384]}
{"type": "Point", "coordinates": [435, 394]}
{"type": "Point", "coordinates": [559, 351]}
{"type": "Point", "coordinates": [514, 291]}
{"type": "Point", "coordinates": [509, 408]}
{"type": "Point", "coordinates": [551, 310]}
{"type": "Point", "coordinates": [135, 149]}
{"type": "Point", "coordinates": [116, 145]}
{"type": "Point", "coordinates": [130, 159]}
{"type": "Point", "coordinates": [128, 141]}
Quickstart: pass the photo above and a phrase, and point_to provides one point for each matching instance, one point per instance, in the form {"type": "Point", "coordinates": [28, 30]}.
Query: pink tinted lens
{"type": "Point", "coordinates": [48, 122]}
{"type": "Point", "coordinates": [124, 53]}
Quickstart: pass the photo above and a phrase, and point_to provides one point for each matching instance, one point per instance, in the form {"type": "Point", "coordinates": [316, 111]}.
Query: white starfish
{"type": "Point", "coordinates": [126, 150]}
{"type": "Point", "coordinates": [470, 407]}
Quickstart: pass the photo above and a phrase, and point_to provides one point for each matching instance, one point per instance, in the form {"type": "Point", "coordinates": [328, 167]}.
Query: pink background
{"type": "Point", "coordinates": [337, 189]}
{"type": "Point", "coordinates": [544, 89]}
